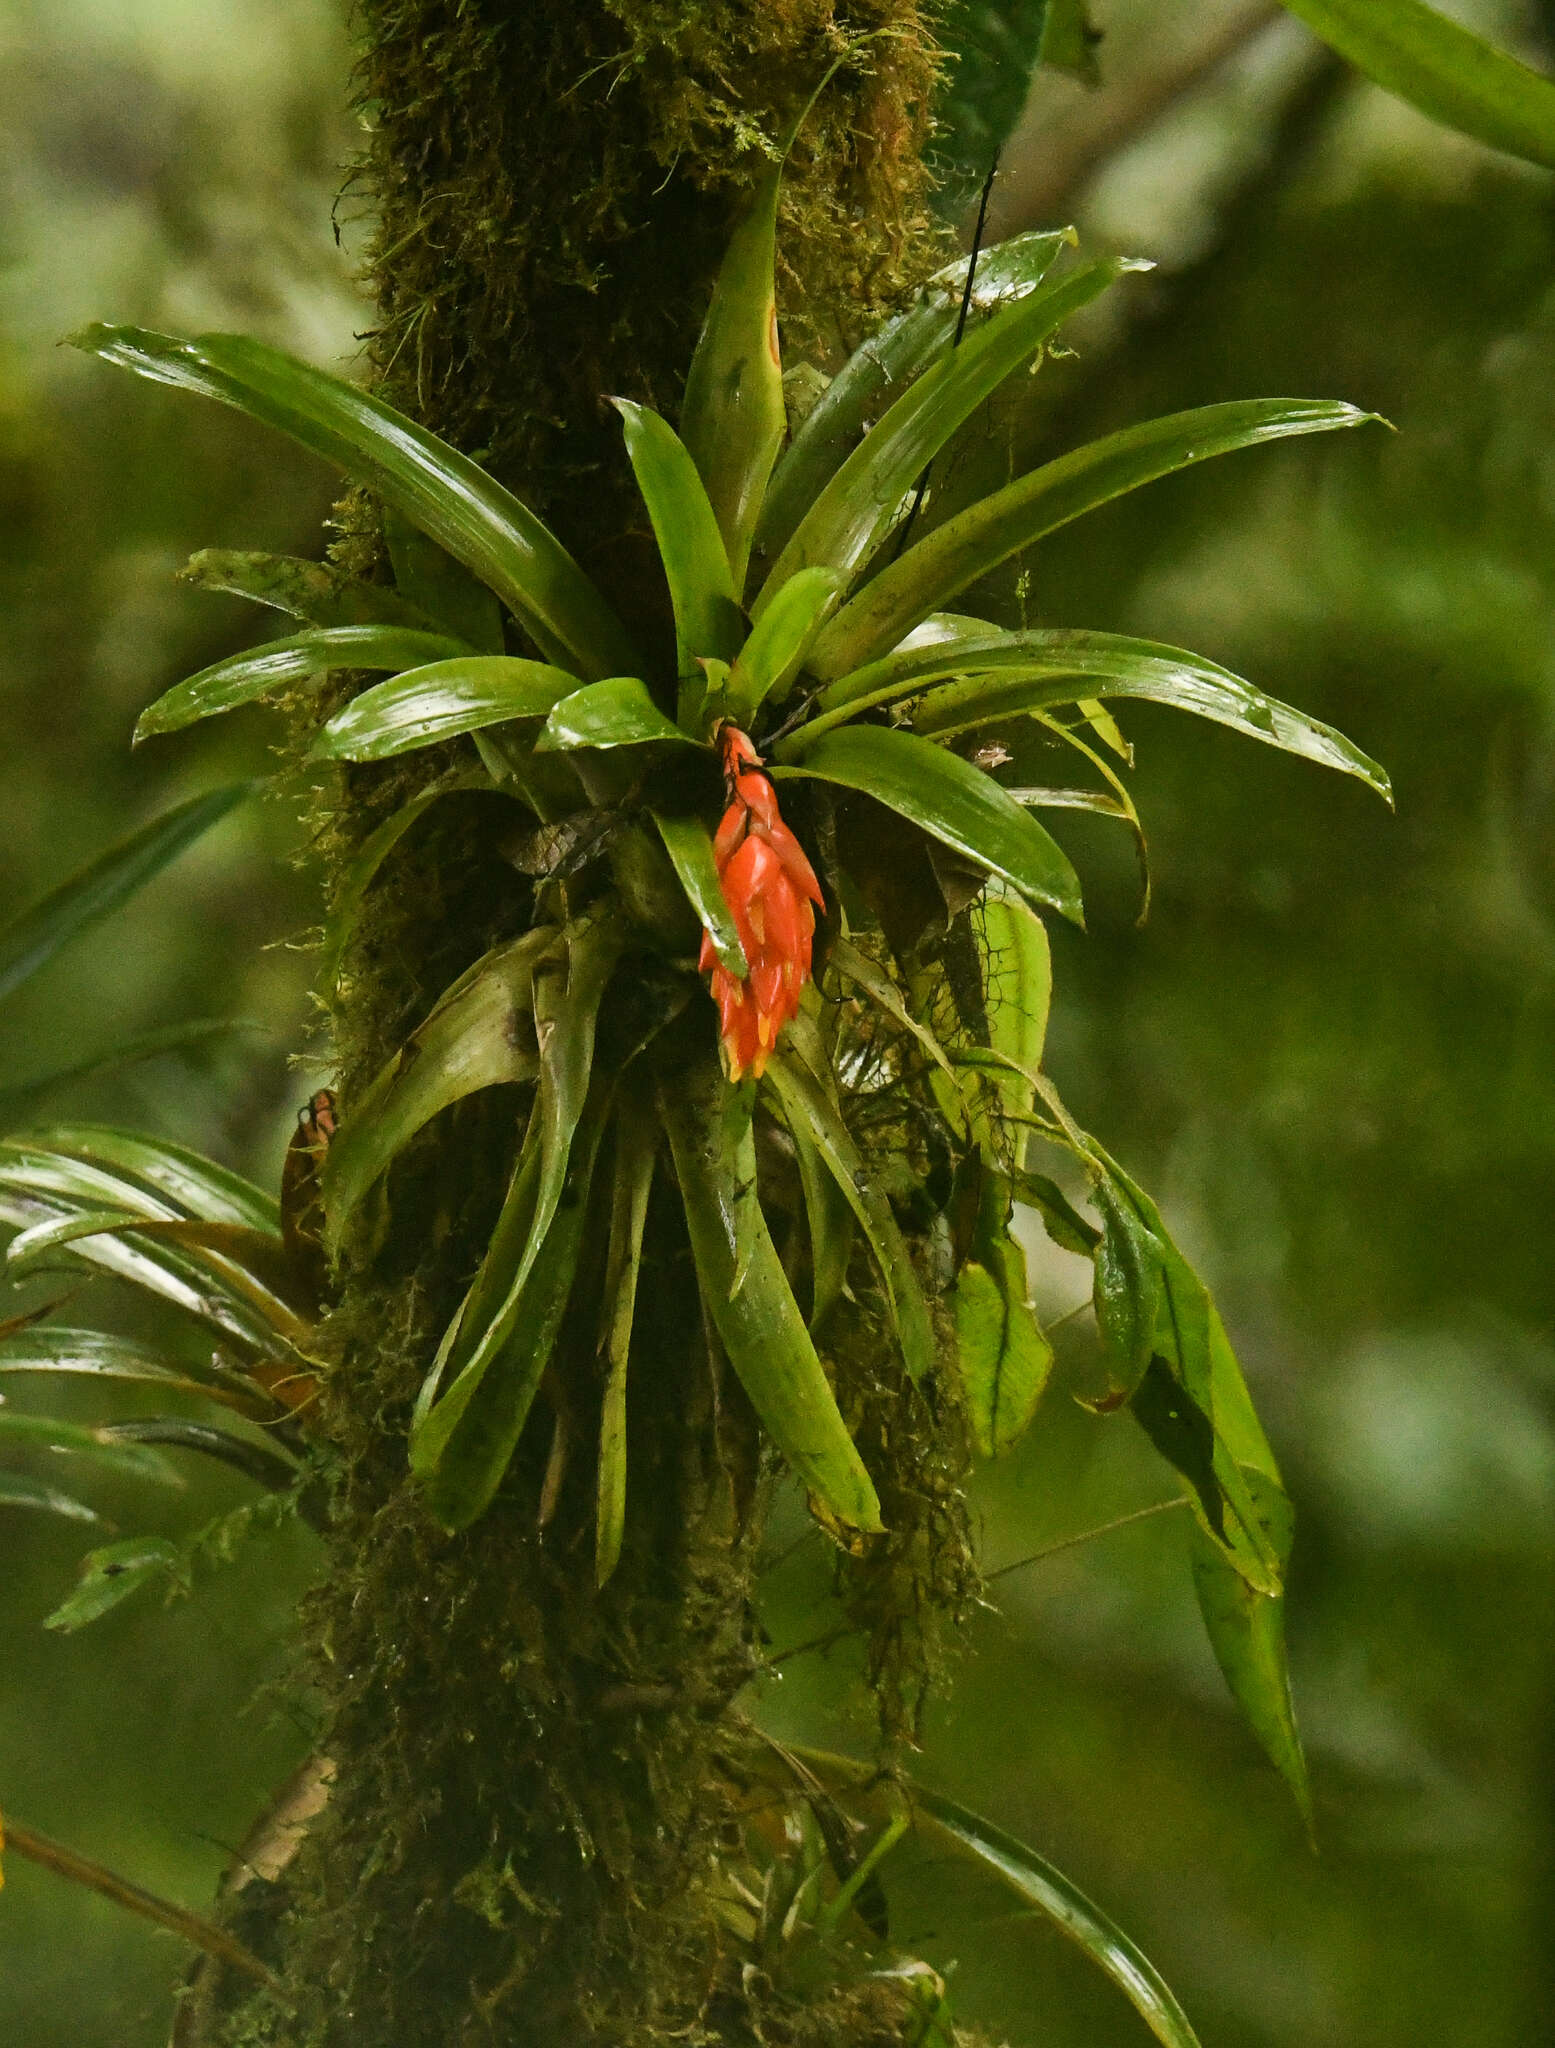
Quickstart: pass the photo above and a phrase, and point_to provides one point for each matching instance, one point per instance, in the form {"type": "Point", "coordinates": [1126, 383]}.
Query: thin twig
{"type": "Point", "coordinates": [203, 1934]}
{"type": "Point", "coordinates": [1160, 1507]}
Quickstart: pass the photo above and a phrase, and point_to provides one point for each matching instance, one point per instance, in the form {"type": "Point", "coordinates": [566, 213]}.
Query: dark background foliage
{"type": "Point", "coordinates": [1331, 1051]}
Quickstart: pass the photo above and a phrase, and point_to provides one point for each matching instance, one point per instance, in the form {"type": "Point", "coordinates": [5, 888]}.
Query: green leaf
{"type": "Point", "coordinates": [312, 591]}
{"type": "Point", "coordinates": [17, 1490]}
{"type": "Point", "coordinates": [952, 801]}
{"type": "Point", "coordinates": [1017, 991]}
{"type": "Point", "coordinates": [899, 351]}
{"type": "Point", "coordinates": [708, 619]}
{"type": "Point", "coordinates": [474, 1038]}
{"type": "Point", "coordinates": [429, 578]}
{"type": "Point", "coordinates": [112, 1574]}
{"type": "Point", "coordinates": [239, 680]}
{"type": "Point", "coordinates": [760, 1324]}
{"type": "Point", "coordinates": [1036, 1881]}
{"type": "Point", "coordinates": [439, 702]}
{"type": "Point", "coordinates": [21, 1098]}
{"type": "Point", "coordinates": [1003, 1354]}
{"type": "Point", "coordinates": [634, 1164]}
{"type": "Point", "coordinates": [956, 554]}
{"type": "Point", "coordinates": [193, 1183]}
{"type": "Point", "coordinates": [352, 887]}
{"type": "Point", "coordinates": [863, 501]}
{"type": "Point", "coordinates": [99, 1354]}
{"type": "Point", "coordinates": [96, 891]}
{"type": "Point", "coordinates": [689, 845]}
{"type": "Point", "coordinates": [1069, 41]}
{"type": "Point", "coordinates": [618, 712]}
{"type": "Point", "coordinates": [992, 47]}
{"type": "Point", "coordinates": [872, 978]}
{"type": "Point", "coordinates": [75, 1439]}
{"type": "Point", "coordinates": [776, 649]}
{"type": "Point", "coordinates": [1443, 69]}
{"type": "Point", "coordinates": [829, 1219]}
{"type": "Point", "coordinates": [733, 418]}
{"type": "Point", "coordinates": [808, 1110]}
{"type": "Point", "coordinates": [244, 1454]}
{"type": "Point", "coordinates": [1247, 1633]}
{"type": "Point", "coordinates": [449, 497]}
{"type": "Point", "coordinates": [1128, 1281]}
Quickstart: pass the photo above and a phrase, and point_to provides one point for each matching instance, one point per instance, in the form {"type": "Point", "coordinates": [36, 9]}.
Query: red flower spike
{"type": "Point", "coordinates": [769, 887]}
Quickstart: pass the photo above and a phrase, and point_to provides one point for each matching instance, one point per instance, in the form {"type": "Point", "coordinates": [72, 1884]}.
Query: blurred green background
{"type": "Point", "coordinates": [1331, 1050]}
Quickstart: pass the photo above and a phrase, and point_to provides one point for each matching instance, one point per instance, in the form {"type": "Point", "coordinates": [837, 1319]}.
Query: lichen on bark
{"type": "Point", "coordinates": [528, 1811]}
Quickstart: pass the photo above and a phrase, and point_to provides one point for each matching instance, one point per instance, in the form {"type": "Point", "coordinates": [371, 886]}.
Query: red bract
{"type": "Point", "coordinates": [770, 889]}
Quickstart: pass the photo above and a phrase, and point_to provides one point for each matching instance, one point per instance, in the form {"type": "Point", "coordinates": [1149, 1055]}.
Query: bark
{"type": "Point", "coordinates": [522, 1837]}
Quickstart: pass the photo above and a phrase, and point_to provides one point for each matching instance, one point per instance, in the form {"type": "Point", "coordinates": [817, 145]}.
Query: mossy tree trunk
{"type": "Point", "coordinates": [525, 1810]}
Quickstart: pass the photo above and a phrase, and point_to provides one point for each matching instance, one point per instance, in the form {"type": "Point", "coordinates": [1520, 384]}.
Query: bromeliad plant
{"type": "Point", "coordinates": [792, 788]}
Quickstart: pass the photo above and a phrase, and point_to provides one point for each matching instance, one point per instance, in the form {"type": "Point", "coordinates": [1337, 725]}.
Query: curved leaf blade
{"type": "Point", "coordinates": [708, 620]}
{"type": "Point", "coordinates": [618, 712]}
{"type": "Point", "coordinates": [1442, 68]}
{"type": "Point", "coordinates": [243, 677]}
{"type": "Point", "coordinates": [193, 1183]}
{"type": "Point", "coordinates": [311, 591]}
{"type": "Point", "coordinates": [952, 801]}
{"type": "Point", "coordinates": [689, 845]}
{"type": "Point", "coordinates": [634, 1166]}
{"type": "Point", "coordinates": [956, 554]}
{"type": "Point", "coordinates": [96, 891]}
{"type": "Point", "coordinates": [449, 497]}
{"type": "Point", "coordinates": [781, 639]}
{"type": "Point", "coordinates": [112, 1574]}
{"type": "Point", "coordinates": [438, 702]}
{"type": "Point", "coordinates": [20, 1490]}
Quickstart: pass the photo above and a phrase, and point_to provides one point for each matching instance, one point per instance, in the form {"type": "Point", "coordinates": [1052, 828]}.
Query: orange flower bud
{"type": "Point", "coordinates": [770, 888]}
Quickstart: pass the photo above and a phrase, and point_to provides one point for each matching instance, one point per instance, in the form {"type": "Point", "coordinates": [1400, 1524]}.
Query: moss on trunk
{"type": "Point", "coordinates": [527, 1806]}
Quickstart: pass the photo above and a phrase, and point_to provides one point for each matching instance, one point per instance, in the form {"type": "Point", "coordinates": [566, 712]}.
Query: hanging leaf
{"type": "Point", "coordinates": [708, 619]}
{"type": "Point", "coordinates": [439, 702]}
{"type": "Point", "coordinates": [17, 1490]}
{"type": "Point", "coordinates": [258, 670]}
{"type": "Point", "coordinates": [863, 501]}
{"type": "Point", "coordinates": [1442, 68]}
{"type": "Point", "coordinates": [689, 845]}
{"type": "Point", "coordinates": [888, 361]}
{"type": "Point", "coordinates": [634, 1164]}
{"type": "Point", "coordinates": [618, 712]}
{"type": "Point", "coordinates": [1018, 988]}
{"type": "Point", "coordinates": [733, 417]}
{"type": "Point", "coordinates": [244, 1454]}
{"type": "Point", "coordinates": [96, 891]}
{"type": "Point", "coordinates": [476, 1037]}
{"type": "Point", "coordinates": [952, 801]}
{"type": "Point", "coordinates": [1004, 1356]}
{"type": "Point", "coordinates": [987, 533]}
{"type": "Point", "coordinates": [759, 1324]}
{"type": "Point", "coordinates": [807, 1109]}
{"type": "Point", "coordinates": [77, 1440]}
{"type": "Point", "coordinates": [1127, 1288]}
{"type": "Point", "coordinates": [449, 497]}
{"type": "Point", "coordinates": [115, 1572]}
{"type": "Point", "coordinates": [829, 1219]}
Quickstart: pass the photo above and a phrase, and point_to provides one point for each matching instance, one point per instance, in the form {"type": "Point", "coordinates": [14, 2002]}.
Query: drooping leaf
{"type": "Point", "coordinates": [1127, 1289]}
{"type": "Point", "coordinates": [807, 1108]}
{"type": "Point", "coordinates": [829, 1218]}
{"type": "Point", "coordinates": [258, 670]}
{"type": "Point", "coordinates": [20, 1490]}
{"type": "Point", "coordinates": [1442, 68]}
{"type": "Point", "coordinates": [689, 845]}
{"type": "Point", "coordinates": [1047, 1890]}
{"type": "Point", "coordinates": [987, 533]}
{"type": "Point", "coordinates": [708, 620]}
{"type": "Point", "coordinates": [445, 494]}
{"type": "Point", "coordinates": [100, 1354]}
{"type": "Point", "coordinates": [96, 891]}
{"type": "Point", "coordinates": [952, 801]}
{"type": "Point", "coordinates": [994, 47]}
{"type": "Point", "coordinates": [875, 374]}
{"type": "Point", "coordinates": [112, 1574]}
{"type": "Point", "coordinates": [1018, 988]}
{"type": "Point", "coordinates": [618, 712]}
{"type": "Point", "coordinates": [245, 1454]}
{"type": "Point", "coordinates": [193, 1183]}
{"type": "Point", "coordinates": [863, 501]}
{"type": "Point", "coordinates": [78, 1440]}
{"type": "Point", "coordinates": [1004, 1356]}
{"type": "Point", "coordinates": [779, 642]}
{"type": "Point", "coordinates": [475, 1038]}
{"type": "Point", "coordinates": [22, 1098]}
{"type": "Point", "coordinates": [438, 702]}
{"type": "Point", "coordinates": [733, 418]}
{"type": "Point", "coordinates": [352, 887]}
{"type": "Point", "coordinates": [634, 1164]}
{"type": "Point", "coordinates": [311, 591]}
{"type": "Point", "coordinates": [759, 1324]}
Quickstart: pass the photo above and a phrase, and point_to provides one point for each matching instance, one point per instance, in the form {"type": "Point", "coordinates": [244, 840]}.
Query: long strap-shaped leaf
{"type": "Point", "coordinates": [708, 620]}
{"type": "Point", "coordinates": [449, 497]}
{"type": "Point", "coordinates": [97, 890]}
{"type": "Point", "coordinates": [243, 677]}
{"type": "Point", "coordinates": [636, 1146]}
{"type": "Point", "coordinates": [1443, 69]}
{"type": "Point", "coordinates": [757, 1319]}
{"type": "Point", "coordinates": [864, 499]}
{"type": "Point", "coordinates": [996, 527]}
{"type": "Point", "coordinates": [311, 591]}
{"type": "Point", "coordinates": [877, 372]}
{"type": "Point", "coordinates": [953, 801]}
{"type": "Point", "coordinates": [438, 702]}
{"type": "Point", "coordinates": [101, 1165]}
{"type": "Point", "coordinates": [733, 418]}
